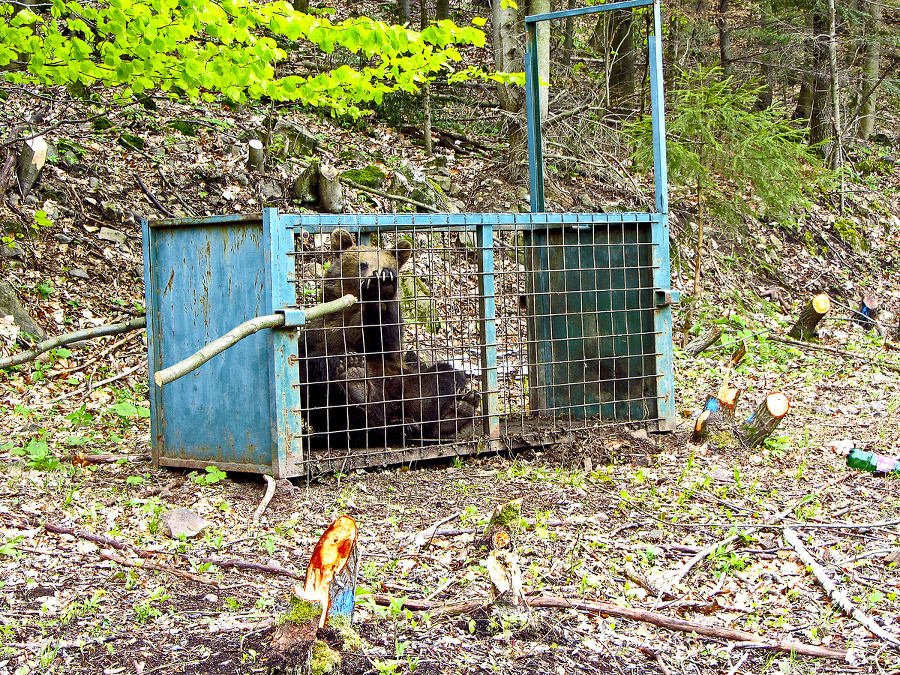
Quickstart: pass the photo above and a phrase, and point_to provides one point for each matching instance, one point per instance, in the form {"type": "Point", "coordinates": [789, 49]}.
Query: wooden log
{"type": "Point", "coordinates": [31, 161]}
{"type": "Point", "coordinates": [331, 192]}
{"type": "Point", "coordinates": [238, 333]}
{"type": "Point", "coordinates": [701, 427]}
{"type": "Point", "coordinates": [718, 408]}
{"type": "Point", "coordinates": [805, 327]}
{"type": "Point", "coordinates": [256, 156]}
{"type": "Point", "coordinates": [766, 419]}
{"type": "Point", "coordinates": [703, 341]}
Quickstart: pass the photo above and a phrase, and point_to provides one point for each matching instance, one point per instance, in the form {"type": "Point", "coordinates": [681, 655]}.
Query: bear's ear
{"type": "Point", "coordinates": [402, 252]}
{"type": "Point", "coordinates": [341, 240]}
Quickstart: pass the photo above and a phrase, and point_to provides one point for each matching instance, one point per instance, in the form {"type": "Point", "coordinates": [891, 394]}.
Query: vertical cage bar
{"type": "Point", "coordinates": [487, 309]}
{"type": "Point", "coordinates": [287, 450]}
{"type": "Point", "coordinates": [533, 119]}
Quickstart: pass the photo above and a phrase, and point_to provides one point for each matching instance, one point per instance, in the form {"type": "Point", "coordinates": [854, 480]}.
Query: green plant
{"type": "Point", "coordinates": [38, 455]}
{"type": "Point", "coordinates": [212, 476]}
{"type": "Point", "coordinates": [126, 410]}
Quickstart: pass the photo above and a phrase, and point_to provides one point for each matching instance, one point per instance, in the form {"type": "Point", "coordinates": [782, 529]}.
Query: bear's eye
{"type": "Point", "coordinates": [363, 266]}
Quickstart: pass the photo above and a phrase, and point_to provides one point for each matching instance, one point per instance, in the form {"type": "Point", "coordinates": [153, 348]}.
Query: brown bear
{"type": "Point", "coordinates": [357, 389]}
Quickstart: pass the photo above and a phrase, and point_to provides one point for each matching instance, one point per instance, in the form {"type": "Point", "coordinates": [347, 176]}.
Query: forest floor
{"type": "Point", "coordinates": [89, 584]}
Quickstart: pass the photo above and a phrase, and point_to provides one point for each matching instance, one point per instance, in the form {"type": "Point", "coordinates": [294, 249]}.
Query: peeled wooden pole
{"type": "Point", "coordinates": [805, 327]}
{"type": "Point", "coordinates": [238, 333]}
{"type": "Point", "coordinates": [766, 418]}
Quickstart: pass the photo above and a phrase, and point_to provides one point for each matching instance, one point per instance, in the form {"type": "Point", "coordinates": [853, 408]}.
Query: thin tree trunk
{"type": "Point", "coordinates": [508, 58]}
{"type": "Point", "coordinates": [767, 94]}
{"type": "Point", "coordinates": [870, 69]}
{"type": "Point", "coordinates": [725, 60]}
{"type": "Point", "coordinates": [543, 54]}
{"type": "Point", "coordinates": [442, 9]}
{"type": "Point", "coordinates": [402, 11]}
{"type": "Point", "coordinates": [569, 43]}
{"type": "Point", "coordinates": [621, 51]}
{"type": "Point", "coordinates": [837, 150]}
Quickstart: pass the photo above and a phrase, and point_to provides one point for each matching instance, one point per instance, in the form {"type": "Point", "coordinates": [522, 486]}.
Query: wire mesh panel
{"type": "Point", "coordinates": [471, 327]}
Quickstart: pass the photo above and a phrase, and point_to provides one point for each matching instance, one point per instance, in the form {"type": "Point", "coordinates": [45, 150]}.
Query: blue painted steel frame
{"type": "Point", "coordinates": [662, 272]}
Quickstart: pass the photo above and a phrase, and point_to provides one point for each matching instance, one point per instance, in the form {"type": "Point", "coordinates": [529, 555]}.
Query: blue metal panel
{"type": "Point", "coordinates": [204, 277]}
{"type": "Point", "coordinates": [533, 120]}
{"type": "Point", "coordinates": [287, 449]}
{"type": "Point", "coordinates": [550, 16]}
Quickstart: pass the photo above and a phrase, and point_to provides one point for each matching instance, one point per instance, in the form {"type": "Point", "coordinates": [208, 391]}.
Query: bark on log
{"type": "Point", "coordinates": [256, 156]}
{"type": "Point", "coordinates": [805, 327]}
{"type": "Point", "coordinates": [331, 192]}
{"type": "Point", "coordinates": [766, 419]}
{"type": "Point", "coordinates": [31, 161]}
{"type": "Point", "coordinates": [717, 408]}
{"type": "Point", "coordinates": [238, 333]}
{"type": "Point", "coordinates": [700, 343]}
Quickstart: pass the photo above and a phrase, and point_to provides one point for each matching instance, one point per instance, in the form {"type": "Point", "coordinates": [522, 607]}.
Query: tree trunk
{"type": "Point", "coordinates": [508, 58]}
{"type": "Point", "coordinates": [725, 60]}
{"type": "Point", "coordinates": [402, 11]}
{"type": "Point", "coordinates": [569, 43]}
{"type": "Point", "coordinates": [767, 94]}
{"type": "Point", "coordinates": [441, 9]}
{"type": "Point", "coordinates": [870, 69]}
{"type": "Point", "coordinates": [820, 131]}
{"type": "Point", "coordinates": [836, 154]}
{"type": "Point", "coordinates": [621, 52]}
{"type": "Point", "coordinates": [543, 54]}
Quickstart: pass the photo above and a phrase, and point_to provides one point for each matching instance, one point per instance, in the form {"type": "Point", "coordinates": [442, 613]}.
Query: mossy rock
{"type": "Point", "coordinates": [371, 176]}
{"type": "Point", "coordinates": [132, 142]}
{"type": "Point", "coordinates": [417, 304]}
{"type": "Point", "coordinates": [183, 127]}
{"type": "Point", "coordinates": [102, 124]}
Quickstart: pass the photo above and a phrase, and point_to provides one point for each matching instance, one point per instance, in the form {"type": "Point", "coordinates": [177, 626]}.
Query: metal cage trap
{"type": "Point", "coordinates": [489, 328]}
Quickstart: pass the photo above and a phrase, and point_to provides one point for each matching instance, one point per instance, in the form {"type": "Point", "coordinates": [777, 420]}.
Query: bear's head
{"type": "Point", "coordinates": [367, 272]}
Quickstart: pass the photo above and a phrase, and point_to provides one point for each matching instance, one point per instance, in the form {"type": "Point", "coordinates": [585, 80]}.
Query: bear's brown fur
{"type": "Point", "coordinates": [357, 386]}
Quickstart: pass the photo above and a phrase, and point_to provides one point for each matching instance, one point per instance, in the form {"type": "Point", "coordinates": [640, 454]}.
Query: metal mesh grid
{"type": "Point", "coordinates": [516, 328]}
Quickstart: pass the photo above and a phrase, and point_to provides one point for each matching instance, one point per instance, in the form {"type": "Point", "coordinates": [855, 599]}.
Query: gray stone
{"type": "Point", "coordinates": [78, 273]}
{"type": "Point", "coordinates": [242, 179]}
{"type": "Point", "coordinates": [587, 203]}
{"type": "Point", "coordinates": [107, 234]}
{"type": "Point", "coordinates": [112, 212]}
{"type": "Point", "coordinates": [9, 304]}
{"type": "Point", "coordinates": [269, 189]}
{"type": "Point", "coordinates": [12, 251]}
{"type": "Point", "coordinates": [297, 141]}
{"type": "Point", "coordinates": [182, 522]}
{"type": "Point", "coordinates": [63, 238]}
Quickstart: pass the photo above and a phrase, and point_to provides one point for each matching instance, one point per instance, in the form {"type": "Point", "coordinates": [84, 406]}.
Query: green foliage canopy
{"type": "Point", "coordinates": [740, 159]}
{"type": "Point", "coordinates": [202, 48]}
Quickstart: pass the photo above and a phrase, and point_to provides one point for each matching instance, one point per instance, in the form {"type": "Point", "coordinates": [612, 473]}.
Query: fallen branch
{"type": "Point", "coordinates": [153, 200]}
{"type": "Point", "coordinates": [270, 491]}
{"type": "Point", "coordinates": [835, 350]}
{"type": "Point", "coordinates": [84, 460]}
{"type": "Point", "coordinates": [837, 596]}
{"type": "Point", "coordinates": [645, 616]}
{"type": "Point", "coordinates": [238, 333]}
{"type": "Point", "coordinates": [145, 564]}
{"type": "Point", "coordinates": [76, 336]}
{"type": "Point", "coordinates": [703, 341]}
{"type": "Point", "coordinates": [247, 565]}
{"type": "Point", "coordinates": [387, 195]}
{"type": "Point", "coordinates": [97, 385]}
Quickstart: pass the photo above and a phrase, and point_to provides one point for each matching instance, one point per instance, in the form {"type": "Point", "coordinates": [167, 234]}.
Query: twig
{"type": "Point", "coordinates": [109, 459]}
{"type": "Point", "coordinates": [247, 565]}
{"type": "Point", "coordinates": [95, 385]}
{"type": "Point", "coordinates": [425, 536]}
{"type": "Point", "coordinates": [153, 200]}
{"type": "Point", "coordinates": [145, 564]}
{"type": "Point", "coordinates": [270, 491]}
{"type": "Point", "coordinates": [67, 338]}
{"type": "Point", "coordinates": [837, 596]}
{"type": "Point", "coordinates": [835, 350]}
{"type": "Point", "coordinates": [380, 193]}
{"type": "Point", "coordinates": [171, 185]}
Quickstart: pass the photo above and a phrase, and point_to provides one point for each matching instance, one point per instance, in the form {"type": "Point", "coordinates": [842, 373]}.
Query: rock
{"type": "Point", "coordinates": [269, 189]}
{"type": "Point", "coordinates": [371, 176]}
{"type": "Point", "coordinates": [107, 234]}
{"type": "Point", "coordinates": [12, 251]}
{"type": "Point", "coordinates": [182, 522]}
{"type": "Point", "coordinates": [306, 185]}
{"type": "Point", "coordinates": [417, 304]}
{"type": "Point", "coordinates": [9, 304]}
{"type": "Point", "coordinates": [415, 185]}
{"type": "Point", "coordinates": [78, 273]}
{"type": "Point", "coordinates": [115, 213]}
{"type": "Point", "coordinates": [295, 140]}
{"type": "Point", "coordinates": [444, 183]}
{"type": "Point", "coordinates": [587, 203]}
{"type": "Point", "coordinates": [63, 238]}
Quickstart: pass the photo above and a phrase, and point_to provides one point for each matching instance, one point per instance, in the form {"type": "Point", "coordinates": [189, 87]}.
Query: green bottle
{"type": "Point", "coordinates": [870, 461]}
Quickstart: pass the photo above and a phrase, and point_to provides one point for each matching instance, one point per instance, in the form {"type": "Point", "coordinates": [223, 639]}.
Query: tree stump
{"type": "Point", "coordinates": [331, 192]}
{"type": "Point", "coordinates": [718, 411]}
{"type": "Point", "coordinates": [766, 419]}
{"type": "Point", "coordinates": [805, 327]}
{"type": "Point", "coordinates": [867, 314]}
{"type": "Point", "coordinates": [256, 156]}
{"type": "Point", "coordinates": [306, 186]}
{"type": "Point", "coordinates": [31, 161]}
